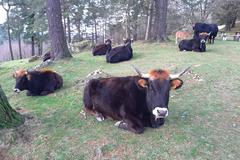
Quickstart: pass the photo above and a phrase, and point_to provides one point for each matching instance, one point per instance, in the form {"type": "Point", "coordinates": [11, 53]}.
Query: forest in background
{"type": "Point", "coordinates": [97, 20]}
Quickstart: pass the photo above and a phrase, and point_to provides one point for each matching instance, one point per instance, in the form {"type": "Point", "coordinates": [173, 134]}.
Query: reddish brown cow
{"type": "Point", "coordinates": [41, 82]}
{"type": "Point", "coordinates": [180, 35]}
{"type": "Point", "coordinates": [135, 101]}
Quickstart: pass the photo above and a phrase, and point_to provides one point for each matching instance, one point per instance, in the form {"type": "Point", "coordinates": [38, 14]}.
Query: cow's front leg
{"type": "Point", "coordinates": [99, 117]}
{"type": "Point", "coordinates": [44, 93]}
{"type": "Point", "coordinates": [30, 93]}
{"type": "Point", "coordinates": [131, 124]}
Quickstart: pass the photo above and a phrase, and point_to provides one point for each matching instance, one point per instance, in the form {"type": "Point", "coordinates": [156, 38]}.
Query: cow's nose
{"type": "Point", "coordinates": [16, 90]}
{"type": "Point", "coordinates": [160, 112]}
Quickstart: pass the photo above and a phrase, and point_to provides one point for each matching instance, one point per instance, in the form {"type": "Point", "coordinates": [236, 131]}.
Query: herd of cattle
{"type": "Point", "coordinates": [202, 33]}
{"type": "Point", "coordinates": [134, 101]}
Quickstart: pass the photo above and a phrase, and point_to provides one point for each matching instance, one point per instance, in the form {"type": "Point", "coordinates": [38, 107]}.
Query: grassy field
{"type": "Point", "coordinates": [204, 120]}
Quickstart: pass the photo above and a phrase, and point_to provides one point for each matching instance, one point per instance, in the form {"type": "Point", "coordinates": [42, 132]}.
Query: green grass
{"type": "Point", "coordinates": [204, 120]}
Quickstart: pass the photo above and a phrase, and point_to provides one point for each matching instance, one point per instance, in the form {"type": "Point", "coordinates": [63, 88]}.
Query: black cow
{"type": "Point", "coordinates": [47, 56]}
{"type": "Point", "coordinates": [37, 82]}
{"type": "Point", "coordinates": [135, 101]}
{"type": "Point", "coordinates": [212, 29]}
{"type": "Point", "coordinates": [197, 44]}
{"type": "Point", "coordinates": [121, 53]}
{"type": "Point", "coordinates": [102, 48]}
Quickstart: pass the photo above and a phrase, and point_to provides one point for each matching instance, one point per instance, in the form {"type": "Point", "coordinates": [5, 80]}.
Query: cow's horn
{"type": "Point", "coordinates": [173, 76]}
{"type": "Point", "coordinates": [139, 72]}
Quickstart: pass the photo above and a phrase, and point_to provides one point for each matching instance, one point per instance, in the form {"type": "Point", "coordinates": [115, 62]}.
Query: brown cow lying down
{"type": "Point", "coordinates": [41, 82]}
{"type": "Point", "coordinates": [135, 101]}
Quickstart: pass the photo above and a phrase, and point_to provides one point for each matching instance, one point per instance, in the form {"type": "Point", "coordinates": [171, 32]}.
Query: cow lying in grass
{"type": "Point", "coordinates": [135, 101]}
{"type": "Point", "coordinates": [102, 48]}
{"type": "Point", "coordinates": [121, 53]}
{"type": "Point", "coordinates": [41, 82]}
{"type": "Point", "coordinates": [197, 44]}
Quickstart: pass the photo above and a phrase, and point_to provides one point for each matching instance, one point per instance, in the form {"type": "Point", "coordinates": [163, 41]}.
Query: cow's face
{"type": "Point", "coordinates": [21, 77]}
{"type": "Point", "coordinates": [127, 41]}
{"type": "Point", "coordinates": [108, 41]}
{"type": "Point", "coordinates": [157, 89]}
{"type": "Point", "coordinates": [203, 38]}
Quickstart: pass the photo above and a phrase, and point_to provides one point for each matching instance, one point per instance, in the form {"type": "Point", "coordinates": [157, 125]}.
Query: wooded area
{"type": "Point", "coordinates": [97, 20]}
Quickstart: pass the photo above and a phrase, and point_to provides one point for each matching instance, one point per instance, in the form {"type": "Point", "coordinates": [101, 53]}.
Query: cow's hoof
{"type": "Point", "coordinates": [121, 124]}
{"type": "Point", "coordinates": [99, 117]}
{"type": "Point", "coordinates": [117, 124]}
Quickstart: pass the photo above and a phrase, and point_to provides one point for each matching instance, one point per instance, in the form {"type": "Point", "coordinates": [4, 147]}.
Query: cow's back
{"type": "Point", "coordinates": [118, 54]}
{"type": "Point", "coordinates": [100, 50]}
{"type": "Point", "coordinates": [44, 80]}
{"type": "Point", "coordinates": [112, 96]}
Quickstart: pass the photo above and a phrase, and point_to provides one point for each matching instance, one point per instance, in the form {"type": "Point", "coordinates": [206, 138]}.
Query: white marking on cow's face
{"type": "Point", "coordinates": [159, 112]}
{"type": "Point", "coordinates": [16, 90]}
{"type": "Point", "coordinates": [203, 41]}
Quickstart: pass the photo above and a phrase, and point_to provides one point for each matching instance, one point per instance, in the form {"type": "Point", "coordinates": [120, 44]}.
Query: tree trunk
{"type": "Point", "coordinates": [233, 24]}
{"type": "Point", "coordinates": [162, 29]}
{"type": "Point", "coordinates": [19, 46]}
{"type": "Point", "coordinates": [9, 36]}
{"type": "Point", "coordinates": [78, 25]}
{"type": "Point", "coordinates": [149, 21]}
{"type": "Point", "coordinates": [39, 44]}
{"type": "Point", "coordinates": [32, 44]}
{"type": "Point", "coordinates": [95, 31]}
{"type": "Point", "coordinates": [69, 29]}
{"type": "Point", "coordinates": [156, 20]}
{"type": "Point", "coordinates": [56, 32]}
{"type": "Point", "coordinates": [8, 116]}
{"type": "Point", "coordinates": [64, 26]}
{"type": "Point", "coordinates": [128, 20]}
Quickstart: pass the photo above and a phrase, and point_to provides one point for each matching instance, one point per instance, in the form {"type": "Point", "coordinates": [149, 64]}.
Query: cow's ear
{"type": "Point", "coordinates": [176, 83]}
{"type": "Point", "coordinates": [143, 83]}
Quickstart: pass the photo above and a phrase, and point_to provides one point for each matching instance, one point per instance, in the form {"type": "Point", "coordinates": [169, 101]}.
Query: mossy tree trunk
{"type": "Point", "coordinates": [8, 116]}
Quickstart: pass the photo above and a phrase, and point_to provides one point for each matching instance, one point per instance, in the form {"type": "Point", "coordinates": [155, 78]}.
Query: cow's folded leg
{"type": "Point", "coordinates": [99, 117]}
{"type": "Point", "coordinates": [122, 125]}
{"type": "Point", "coordinates": [29, 93]}
{"type": "Point", "coordinates": [44, 93]}
{"type": "Point", "coordinates": [131, 125]}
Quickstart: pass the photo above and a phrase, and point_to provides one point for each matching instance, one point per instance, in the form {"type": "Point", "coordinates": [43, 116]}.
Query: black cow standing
{"type": "Point", "coordinates": [102, 49]}
{"type": "Point", "coordinates": [135, 101]}
{"type": "Point", "coordinates": [197, 44]}
{"type": "Point", "coordinates": [37, 82]}
{"type": "Point", "coordinates": [212, 29]}
{"type": "Point", "coordinates": [121, 53]}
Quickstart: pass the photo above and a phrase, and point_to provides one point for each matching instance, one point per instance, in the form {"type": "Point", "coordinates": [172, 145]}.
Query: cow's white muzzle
{"type": "Point", "coordinates": [159, 112]}
{"type": "Point", "coordinates": [16, 90]}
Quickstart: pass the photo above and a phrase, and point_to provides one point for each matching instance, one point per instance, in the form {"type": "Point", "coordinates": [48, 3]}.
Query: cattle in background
{"type": "Point", "coordinates": [47, 56]}
{"type": "Point", "coordinates": [121, 53]}
{"type": "Point", "coordinates": [134, 101]}
{"type": "Point", "coordinates": [197, 44]}
{"type": "Point", "coordinates": [41, 82]}
{"type": "Point", "coordinates": [180, 35]}
{"type": "Point", "coordinates": [102, 48]}
{"type": "Point", "coordinates": [212, 29]}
